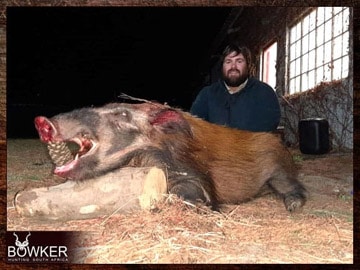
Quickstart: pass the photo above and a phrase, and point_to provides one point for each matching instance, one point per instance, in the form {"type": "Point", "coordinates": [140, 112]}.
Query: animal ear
{"type": "Point", "coordinates": [170, 121]}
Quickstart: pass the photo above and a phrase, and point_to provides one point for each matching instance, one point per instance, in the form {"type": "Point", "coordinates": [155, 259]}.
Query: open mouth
{"type": "Point", "coordinates": [66, 155]}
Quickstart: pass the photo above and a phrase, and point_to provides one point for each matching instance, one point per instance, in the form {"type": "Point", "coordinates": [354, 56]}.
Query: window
{"type": "Point", "coordinates": [319, 48]}
{"type": "Point", "coordinates": [268, 65]}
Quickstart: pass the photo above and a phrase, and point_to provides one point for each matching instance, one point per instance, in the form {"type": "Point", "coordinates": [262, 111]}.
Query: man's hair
{"type": "Point", "coordinates": [238, 48]}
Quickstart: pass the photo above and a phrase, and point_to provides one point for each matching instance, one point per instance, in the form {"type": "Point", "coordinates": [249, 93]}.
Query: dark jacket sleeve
{"type": "Point", "coordinates": [267, 113]}
{"type": "Point", "coordinates": [276, 111]}
{"type": "Point", "coordinates": [200, 105]}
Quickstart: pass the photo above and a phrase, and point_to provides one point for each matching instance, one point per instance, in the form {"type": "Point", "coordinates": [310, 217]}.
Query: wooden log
{"type": "Point", "coordinates": [128, 189]}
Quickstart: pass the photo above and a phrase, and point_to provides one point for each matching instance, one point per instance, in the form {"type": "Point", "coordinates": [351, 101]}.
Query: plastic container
{"type": "Point", "coordinates": [314, 136]}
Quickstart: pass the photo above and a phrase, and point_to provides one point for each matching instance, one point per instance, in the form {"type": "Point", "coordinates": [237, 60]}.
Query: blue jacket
{"type": "Point", "coordinates": [254, 108]}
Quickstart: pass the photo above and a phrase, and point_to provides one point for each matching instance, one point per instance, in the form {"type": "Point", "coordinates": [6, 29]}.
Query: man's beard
{"type": "Point", "coordinates": [234, 81]}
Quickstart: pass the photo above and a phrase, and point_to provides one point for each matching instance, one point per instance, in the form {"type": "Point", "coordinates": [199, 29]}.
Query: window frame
{"type": "Point", "coordinates": [263, 62]}
{"type": "Point", "coordinates": [302, 77]}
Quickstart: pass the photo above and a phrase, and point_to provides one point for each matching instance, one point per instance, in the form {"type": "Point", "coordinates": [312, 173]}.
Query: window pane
{"type": "Point", "coordinates": [306, 25]}
{"type": "Point", "coordinates": [345, 67]}
{"type": "Point", "coordinates": [345, 44]}
{"type": "Point", "coordinates": [305, 43]}
{"type": "Point", "coordinates": [298, 48]}
{"type": "Point", "coordinates": [297, 67]}
{"type": "Point", "coordinates": [336, 10]}
{"type": "Point", "coordinates": [320, 16]}
{"type": "Point", "coordinates": [312, 21]}
{"type": "Point", "coordinates": [298, 31]}
{"type": "Point", "coordinates": [328, 13]}
{"type": "Point", "coordinates": [337, 69]}
{"type": "Point", "coordinates": [328, 31]}
{"type": "Point", "coordinates": [312, 59]}
{"type": "Point", "coordinates": [312, 40]}
{"type": "Point", "coordinates": [269, 65]}
{"type": "Point", "coordinates": [337, 24]}
{"type": "Point", "coordinates": [292, 52]}
{"type": "Point", "coordinates": [320, 35]}
{"type": "Point", "coordinates": [327, 72]}
{"type": "Point", "coordinates": [304, 82]}
{"type": "Point", "coordinates": [346, 18]}
{"type": "Point", "coordinates": [320, 56]}
{"type": "Point", "coordinates": [297, 84]}
{"type": "Point", "coordinates": [337, 47]}
{"type": "Point", "coordinates": [311, 79]}
{"type": "Point", "coordinates": [327, 52]}
{"type": "Point", "coordinates": [305, 61]}
{"type": "Point", "coordinates": [319, 75]}
{"type": "Point", "coordinates": [293, 35]}
{"type": "Point", "coordinates": [292, 69]}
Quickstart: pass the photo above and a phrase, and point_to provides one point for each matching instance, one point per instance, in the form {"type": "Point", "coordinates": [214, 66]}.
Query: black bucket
{"type": "Point", "coordinates": [314, 136]}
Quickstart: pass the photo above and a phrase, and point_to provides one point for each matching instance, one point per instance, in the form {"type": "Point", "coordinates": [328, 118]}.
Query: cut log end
{"type": "Point", "coordinates": [154, 188]}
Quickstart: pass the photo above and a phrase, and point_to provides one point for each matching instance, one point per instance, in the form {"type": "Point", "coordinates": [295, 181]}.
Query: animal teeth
{"type": "Point", "coordinates": [60, 153]}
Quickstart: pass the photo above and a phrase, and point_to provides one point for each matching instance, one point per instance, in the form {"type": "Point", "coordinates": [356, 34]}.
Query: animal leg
{"type": "Point", "coordinates": [290, 190]}
{"type": "Point", "coordinates": [192, 192]}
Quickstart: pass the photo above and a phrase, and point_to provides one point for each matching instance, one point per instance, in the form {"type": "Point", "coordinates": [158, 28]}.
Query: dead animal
{"type": "Point", "coordinates": [204, 162]}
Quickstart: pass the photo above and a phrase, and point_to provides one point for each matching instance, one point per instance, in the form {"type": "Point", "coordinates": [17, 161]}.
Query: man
{"type": "Point", "coordinates": [237, 99]}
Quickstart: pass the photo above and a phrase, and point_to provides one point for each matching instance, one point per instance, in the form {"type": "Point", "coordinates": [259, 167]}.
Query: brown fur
{"type": "Point", "coordinates": [240, 162]}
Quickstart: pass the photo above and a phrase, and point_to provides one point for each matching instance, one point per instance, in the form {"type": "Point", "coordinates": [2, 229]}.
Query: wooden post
{"type": "Point", "coordinates": [124, 190]}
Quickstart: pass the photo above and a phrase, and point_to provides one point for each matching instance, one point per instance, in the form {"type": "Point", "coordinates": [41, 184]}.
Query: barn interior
{"type": "Point", "coordinates": [62, 58]}
{"type": "Point", "coordinates": [94, 55]}
{"type": "Point", "coordinates": [329, 96]}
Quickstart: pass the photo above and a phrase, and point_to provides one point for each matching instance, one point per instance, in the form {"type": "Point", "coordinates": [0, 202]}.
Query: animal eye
{"type": "Point", "coordinates": [122, 115]}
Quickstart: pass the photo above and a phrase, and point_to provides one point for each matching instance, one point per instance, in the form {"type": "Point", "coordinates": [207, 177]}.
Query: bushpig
{"type": "Point", "coordinates": [204, 162]}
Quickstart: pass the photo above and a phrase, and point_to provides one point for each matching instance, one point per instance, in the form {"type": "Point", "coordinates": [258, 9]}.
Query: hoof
{"type": "Point", "coordinates": [293, 202]}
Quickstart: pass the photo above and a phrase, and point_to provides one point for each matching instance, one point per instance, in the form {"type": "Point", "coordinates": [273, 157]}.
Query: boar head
{"type": "Point", "coordinates": [109, 137]}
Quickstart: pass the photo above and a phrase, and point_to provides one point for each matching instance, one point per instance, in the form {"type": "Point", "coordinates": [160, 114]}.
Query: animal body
{"type": "Point", "coordinates": [204, 162]}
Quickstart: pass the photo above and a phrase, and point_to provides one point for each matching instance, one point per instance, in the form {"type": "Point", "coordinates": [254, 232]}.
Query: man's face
{"type": "Point", "coordinates": [235, 69]}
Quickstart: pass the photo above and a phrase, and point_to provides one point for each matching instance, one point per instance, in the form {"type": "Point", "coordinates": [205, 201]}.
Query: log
{"type": "Point", "coordinates": [122, 191]}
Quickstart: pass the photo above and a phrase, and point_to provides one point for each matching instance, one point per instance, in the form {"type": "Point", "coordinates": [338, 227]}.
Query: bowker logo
{"type": "Point", "coordinates": [22, 251]}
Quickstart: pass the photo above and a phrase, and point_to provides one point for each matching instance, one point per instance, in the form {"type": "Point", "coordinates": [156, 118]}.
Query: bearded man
{"type": "Point", "coordinates": [238, 99]}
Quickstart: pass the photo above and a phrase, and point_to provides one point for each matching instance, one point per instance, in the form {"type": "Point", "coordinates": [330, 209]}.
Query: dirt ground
{"type": "Point", "coordinates": [260, 231]}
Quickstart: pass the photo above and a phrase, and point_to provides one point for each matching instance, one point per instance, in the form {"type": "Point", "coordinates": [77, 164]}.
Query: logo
{"type": "Point", "coordinates": [24, 251]}
{"type": "Point", "coordinates": [21, 245]}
